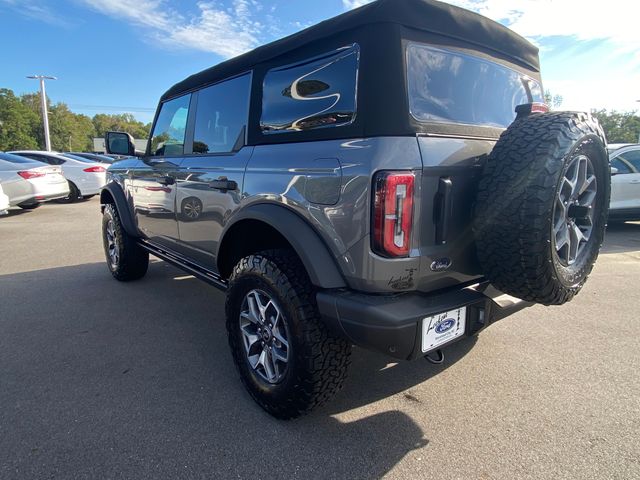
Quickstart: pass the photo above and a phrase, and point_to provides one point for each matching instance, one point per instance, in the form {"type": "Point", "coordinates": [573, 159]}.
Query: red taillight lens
{"type": "Point", "coordinates": [96, 169]}
{"type": "Point", "coordinates": [393, 213]}
{"type": "Point", "coordinates": [28, 174]}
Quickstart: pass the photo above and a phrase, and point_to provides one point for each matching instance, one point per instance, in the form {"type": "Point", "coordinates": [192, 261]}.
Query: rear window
{"type": "Point", "coordinates": [14, 158]}
{"type": "Point", "coordinates": [453, 87]}
{"type": "Point", "coordinates": [317, 93]}
{"type": "Point", "coordinates": [78, 158]}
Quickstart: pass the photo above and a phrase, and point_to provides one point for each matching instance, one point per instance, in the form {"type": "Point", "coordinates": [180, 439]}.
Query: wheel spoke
{"type": "Point", "coordinates": [572, 227]}
{"type": "Point", "coordinates": [265, 337]}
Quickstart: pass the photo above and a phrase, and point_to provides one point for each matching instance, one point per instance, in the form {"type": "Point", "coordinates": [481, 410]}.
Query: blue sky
{"type": "Point", "coordinates": [118, 56]}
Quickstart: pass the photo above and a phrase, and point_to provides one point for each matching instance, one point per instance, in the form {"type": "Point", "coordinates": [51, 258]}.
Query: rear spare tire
{"type": "Point", "coordinates": [542, 206]}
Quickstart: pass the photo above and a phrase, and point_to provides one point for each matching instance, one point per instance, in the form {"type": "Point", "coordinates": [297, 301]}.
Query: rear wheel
{"type": "Point", "coordinates": [288, 360]}
{"type": "Point", "coordinates": [542, 206]}
{"type": "Point", "coordinates": [74, 194]}
{"type": "Point", "coordinates": [125, 258]}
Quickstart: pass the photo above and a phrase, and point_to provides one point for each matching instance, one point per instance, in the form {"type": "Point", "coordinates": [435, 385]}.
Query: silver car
{"type": "Point", "coordinates": [86, 177]}
{"type": "Point", "coordinates": [28, 183]}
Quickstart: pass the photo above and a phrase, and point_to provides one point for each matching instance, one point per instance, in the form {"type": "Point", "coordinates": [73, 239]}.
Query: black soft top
{"type": "Point", "coordinates": [424, 15]}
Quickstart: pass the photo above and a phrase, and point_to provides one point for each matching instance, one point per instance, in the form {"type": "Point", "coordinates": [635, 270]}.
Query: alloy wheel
{"type": "Point", "coordinates": [265, 336]}
{"type": "Point", "coordinates": [113, 250]}
{"type": "Point", "coordinates": [574, 209]}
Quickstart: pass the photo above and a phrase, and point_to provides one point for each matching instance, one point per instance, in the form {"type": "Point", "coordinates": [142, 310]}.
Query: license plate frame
{"type": "Point", "coordinates": [442, 328]}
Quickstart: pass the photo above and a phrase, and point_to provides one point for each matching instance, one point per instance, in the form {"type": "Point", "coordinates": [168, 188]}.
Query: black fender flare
{"type": "Point", "coordinates": [122, 206]}
{"type": "Point", "coordinates": [316, 257]}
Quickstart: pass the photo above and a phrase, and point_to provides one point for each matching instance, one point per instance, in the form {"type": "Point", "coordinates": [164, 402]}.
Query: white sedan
{"type": "Point", "coordinates": [85, 177]}
{"type": "Point", "coordinates": [4, 202]}
{"type": "Point", "coordinates": [625, 183]}
{"type": "Point", "coordinates": [27, 183]}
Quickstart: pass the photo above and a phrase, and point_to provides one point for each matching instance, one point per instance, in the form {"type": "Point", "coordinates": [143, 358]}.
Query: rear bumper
{"type": "Point", "coordinates": [392, 324]}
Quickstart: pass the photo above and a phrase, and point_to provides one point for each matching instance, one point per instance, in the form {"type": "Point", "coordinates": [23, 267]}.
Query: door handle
{"type": "Point", "coordinates": [223, 184]}
{"type": "Point", "coordinates": [634, 181]}
{"type": "Point", "coordinates": [166, 180]}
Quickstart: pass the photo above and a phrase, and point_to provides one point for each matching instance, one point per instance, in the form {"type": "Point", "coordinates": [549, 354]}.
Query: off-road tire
{"type": "Point", "coordinates": [517, 193]}
{"type": "Point", "coordinates": [74, 194]}
{"type": "Point", "coordinates": [318, 360]}
{"type": "Point", "coordinates": [133, 260]}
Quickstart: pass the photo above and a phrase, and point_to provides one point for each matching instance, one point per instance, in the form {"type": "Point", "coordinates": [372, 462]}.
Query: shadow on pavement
{"type": "Point", "coordinates": [622, 237]}
{"type": "Point", "coordinates": [105, 379]}
{"type": "Point", "coordinates": [15, 212]}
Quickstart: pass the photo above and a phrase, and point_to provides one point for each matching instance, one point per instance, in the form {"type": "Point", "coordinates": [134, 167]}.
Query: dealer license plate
{"type": "Point", "coordinates": [442, 328]}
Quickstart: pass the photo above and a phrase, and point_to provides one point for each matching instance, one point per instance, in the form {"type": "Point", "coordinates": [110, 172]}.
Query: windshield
{"type": "Point", "coordinates": [453, 87]}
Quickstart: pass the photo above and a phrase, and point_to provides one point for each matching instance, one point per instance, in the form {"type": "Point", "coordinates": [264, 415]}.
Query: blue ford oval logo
{"type": "Point", "coordinates": [445, 325]}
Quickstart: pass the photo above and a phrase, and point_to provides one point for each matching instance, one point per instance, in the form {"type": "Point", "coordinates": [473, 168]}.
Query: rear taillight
{"type": "Point", "coordinates": [28, 174]}
{"type": "Point", "coordinates": [393, 213]}
{"type": "Point", "coordinates": [96, 169]}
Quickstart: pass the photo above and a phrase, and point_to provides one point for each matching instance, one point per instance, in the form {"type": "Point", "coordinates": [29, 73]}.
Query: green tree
{"type": "Point", "coordinates": [619, 127]}
{"type": "Point", "coordinates": [124, 122]}
{"type": "Point", "coordinates": [554, 101]}
{"type": "Point", "coordinates": [69, 131]}
{"type": "Point", "coordinates": [17, 123]}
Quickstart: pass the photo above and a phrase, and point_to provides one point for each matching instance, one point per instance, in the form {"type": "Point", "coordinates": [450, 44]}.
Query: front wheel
{"type": "Point", "coordinates": [287, 359]}
{"type": "Point", "coordinates": [125, 258]}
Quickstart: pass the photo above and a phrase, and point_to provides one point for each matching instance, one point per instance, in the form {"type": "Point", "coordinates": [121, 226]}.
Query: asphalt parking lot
{"type": "Point", "coordinates": [100, 379]}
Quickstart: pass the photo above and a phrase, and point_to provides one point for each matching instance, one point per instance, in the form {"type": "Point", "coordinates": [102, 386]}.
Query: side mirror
{"type": "Point", "coordinates": [614, 171]}
{"type": "Point", "coordinates": [119, 143]}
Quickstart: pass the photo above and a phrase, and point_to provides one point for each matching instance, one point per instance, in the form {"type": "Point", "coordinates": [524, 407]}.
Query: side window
{"type": "Point", "coordinates": [317, 93]}
{"type": "Point", "coordinates": [620, 165]}
{"type": "Point", "coordinates": [633, 157]}
{"type": "Point", "coordinates": [170, 127]}
{"type": "Point", "coordinates": [221, 116]}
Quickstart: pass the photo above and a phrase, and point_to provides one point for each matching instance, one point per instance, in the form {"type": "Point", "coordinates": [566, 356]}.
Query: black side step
{"type": "Point", "coordinates": [183, 263]}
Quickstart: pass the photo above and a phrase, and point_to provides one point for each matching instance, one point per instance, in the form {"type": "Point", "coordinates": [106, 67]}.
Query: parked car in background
{"type": "Point", "coordinates": [28, 183]}
{"type": "Point", "coordinates": [116, 158]}
{"type": "Point", "coordinates": [612, 147]}
{"type": "Point", "coordinates": [4, 202]}
{"type": "Point", "coordinates": [85, 177]}
{"type": "Point", "coordinates": [625, 183]}
{"type": "Point", "coordinates": [94, 157]}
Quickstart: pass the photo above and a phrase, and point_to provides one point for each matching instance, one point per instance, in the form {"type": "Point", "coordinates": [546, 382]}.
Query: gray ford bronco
{"type": "Point", "coordinates": [388, 178]}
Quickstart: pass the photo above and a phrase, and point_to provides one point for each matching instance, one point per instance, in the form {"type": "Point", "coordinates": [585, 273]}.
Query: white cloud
{"type": "Point", "coordinates": [351, 4]}
{"type": "Point", "coordinates": [226, 32]}
{"type": "Point", "coordinates": [585, 20]}
{"type": "Point", "coordinates": [36, 11]}
{"type": "Point", "coordinates": [616, 20]}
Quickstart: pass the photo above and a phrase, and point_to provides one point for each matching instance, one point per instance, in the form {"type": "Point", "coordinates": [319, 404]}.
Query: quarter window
{"type": "Point", "coordinates": [633, 157]}
{"type": "Point", "coordinates": [169, 131]}
{"type": "Point", "coordinates": [318, 93]}
{"type": "Point", "coordinates": [452, 87]}
{"type": "Point", "coordinates": [620, 165]}
{"type": "Point", "coordinates": [221, 116]}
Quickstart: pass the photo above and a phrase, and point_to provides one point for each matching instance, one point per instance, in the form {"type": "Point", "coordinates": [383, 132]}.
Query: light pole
{"type": "Point", "coordinates": [638, 132]}
{"type": "Point", "coordinates": [43, 102]}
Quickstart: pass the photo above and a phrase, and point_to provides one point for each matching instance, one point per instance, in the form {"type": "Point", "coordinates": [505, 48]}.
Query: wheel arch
{"type": "Point", "coordinates": [264, 226]}
{"type": "Point", "coordinates": [113, 193]}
